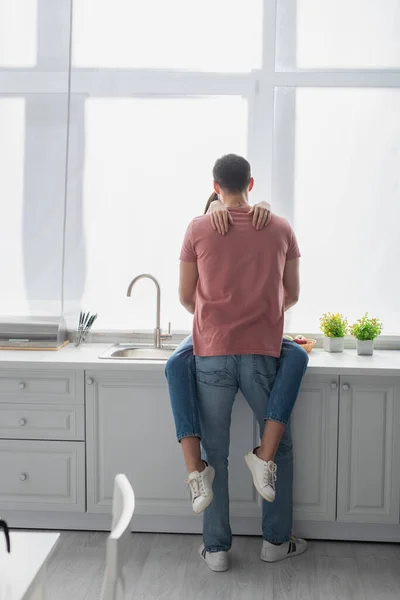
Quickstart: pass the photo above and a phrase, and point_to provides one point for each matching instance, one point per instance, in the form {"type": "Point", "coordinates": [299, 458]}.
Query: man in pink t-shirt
{"type": "Point", "coordinates": [238, 287]}
{"type": "Point", "coordinates": [238, 283]}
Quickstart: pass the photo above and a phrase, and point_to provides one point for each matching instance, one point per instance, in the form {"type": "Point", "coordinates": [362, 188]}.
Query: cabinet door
{"type": "Point", "coordinates": [130, 429]}
{"type": "Point", "coordinates": [369, 450]}
{"type": "Point", "coordinates": [314, 431]}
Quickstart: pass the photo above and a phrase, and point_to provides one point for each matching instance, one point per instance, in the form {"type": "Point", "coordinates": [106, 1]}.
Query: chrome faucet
{"type": "Point", "coordinates": [158, 335]}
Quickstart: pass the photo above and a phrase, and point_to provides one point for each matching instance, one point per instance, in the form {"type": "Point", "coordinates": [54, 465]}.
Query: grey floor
{"type": "Point", "coordinates": [168, 567]}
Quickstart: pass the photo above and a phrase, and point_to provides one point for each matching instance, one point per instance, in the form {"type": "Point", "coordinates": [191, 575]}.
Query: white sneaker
{"type": "Point", "coordinates": [200, 485]}
{"type": "Point", "coordinates": [264, 475]}
{"type": "Point", "coordinates": [217, 561]}
{"type": "Point", "coordinates": [272, 553]}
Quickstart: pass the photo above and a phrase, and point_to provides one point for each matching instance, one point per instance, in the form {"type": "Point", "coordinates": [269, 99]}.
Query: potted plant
{"type": "Point", "coordinates": [334, 327]}
{"type": "Point", "coordinates": [365, 331]}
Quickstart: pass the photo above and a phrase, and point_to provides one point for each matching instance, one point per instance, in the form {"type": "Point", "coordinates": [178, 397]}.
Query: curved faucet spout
{"type": "Point", "coordinates": [157, 331]}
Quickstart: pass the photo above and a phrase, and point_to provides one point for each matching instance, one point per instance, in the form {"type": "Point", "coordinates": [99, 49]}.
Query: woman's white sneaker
{"type": "Point", "coordinates": [272, 553]}
{"type": "Point", "coordinates": [217, 561]}
{"type": "Point", "coordinates": [200, 485]}
{"type": "Point", "coordinates": [264, 475]}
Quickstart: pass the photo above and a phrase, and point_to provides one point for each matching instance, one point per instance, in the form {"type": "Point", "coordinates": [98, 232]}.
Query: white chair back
{"type": "Point", "coordinates": [118, 543]}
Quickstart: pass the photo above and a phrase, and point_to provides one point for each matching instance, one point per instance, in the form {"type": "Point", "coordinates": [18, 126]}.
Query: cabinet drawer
{"type": "Point", "coordinates": [43, 476]}
{"type": "Point", "coordinates": [42, 422]}
{"type": "Point", "coordinates": [62, 387]}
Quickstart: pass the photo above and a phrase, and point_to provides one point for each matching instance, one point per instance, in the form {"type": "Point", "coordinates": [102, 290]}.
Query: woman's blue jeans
{"type": "Point", "coordinates": [181, 375]}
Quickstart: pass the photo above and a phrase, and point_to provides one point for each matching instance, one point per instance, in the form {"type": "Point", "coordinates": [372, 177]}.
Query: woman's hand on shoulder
{"type": "Point", "coordinates": [220, 217]}
{"type": "Point", "coordinates": [261, 215]}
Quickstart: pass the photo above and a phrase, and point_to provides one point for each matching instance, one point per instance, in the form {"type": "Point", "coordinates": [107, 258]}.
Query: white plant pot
{"type": "Point", "coordinates": [333, 344]}
{"type": "Point", "coordinates": [365, 347]}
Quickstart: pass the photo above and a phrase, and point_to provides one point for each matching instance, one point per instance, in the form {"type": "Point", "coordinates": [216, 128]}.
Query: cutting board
{"type": "Point", "coordinates": [34, 348]}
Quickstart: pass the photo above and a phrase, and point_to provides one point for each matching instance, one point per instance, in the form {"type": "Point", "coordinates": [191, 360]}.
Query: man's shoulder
{"type": "Point", "coordinates": [198, 224]}
{"type": "Point", "coordinates": [280, 225]}
{"type": "Point", "coordinates": [201, 219]}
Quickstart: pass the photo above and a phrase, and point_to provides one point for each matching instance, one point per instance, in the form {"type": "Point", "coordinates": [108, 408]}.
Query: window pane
{"type": "Point", "coordinates": [338, 34]}
{"type": "Point", "coordinates": [346, 201]}
{"type": "Point", "coordinates": [32, 186]}
{"type": "Point", "coordinates": [12, 126]}
{"type": "Point", "coordinates": [18, 33]}
{"type": "Point", "coordinates": [147, 173]}
{"type": "Point", "coordinates": [175, 34]}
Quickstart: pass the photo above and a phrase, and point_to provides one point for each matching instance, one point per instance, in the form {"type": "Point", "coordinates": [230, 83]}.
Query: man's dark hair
{"type": "Point", "coordinates": [232, 173]}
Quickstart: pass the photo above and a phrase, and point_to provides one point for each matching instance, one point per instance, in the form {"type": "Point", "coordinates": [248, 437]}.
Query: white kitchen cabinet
{"type": "Point", "coordinates": [42, 463]}
{"type": "Point", "coordinates": [130, 429]}
{"type": "Point", "coordinates": [45, 476]}
{"type": "Point", "coordinates": [346, 437]}
{"type": "Point", "coordinates": [314, 432]}
{"type": "Point", "coordinates": [369, 450]}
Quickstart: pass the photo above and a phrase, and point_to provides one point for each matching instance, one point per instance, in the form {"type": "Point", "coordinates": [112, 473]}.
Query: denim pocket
{"type": "Point", "coordinates": [264, 370]}
{"type": "Point", "coordinates": [211, 369]}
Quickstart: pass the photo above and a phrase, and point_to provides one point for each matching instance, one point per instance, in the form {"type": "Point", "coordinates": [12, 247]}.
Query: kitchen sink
{"type": "Point", "coordinates": [138, 352]}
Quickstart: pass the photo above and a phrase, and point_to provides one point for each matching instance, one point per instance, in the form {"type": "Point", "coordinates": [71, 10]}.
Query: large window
{"type": "Point", "coordinates": [34, 64]}
{"type": "Point", "coordinates": [18, 33]}
{"type": "Point", "coordinates": [222, 35]}
{"type": "Point", "coordinates": [345, 187]}
{"type": "Point", "coordinates": [147, 172]}
{"type": "Point", "coordinates": [338, 34]}
{"type": "Point", "coordinates": [12, 140]}
{"type": "Point", "coordinates": [151, 110]}
{"type": "Point", "coordinates": [112, 113]}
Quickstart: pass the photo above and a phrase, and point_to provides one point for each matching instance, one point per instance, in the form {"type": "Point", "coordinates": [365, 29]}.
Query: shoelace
{"type": "Point", "coordinates": [196, 486]}
{"type": "Point", "coordinates": [270, 474]}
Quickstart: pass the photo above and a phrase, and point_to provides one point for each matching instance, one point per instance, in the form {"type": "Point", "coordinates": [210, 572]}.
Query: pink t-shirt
{"type": "Point", "coordinates": [239, 296]}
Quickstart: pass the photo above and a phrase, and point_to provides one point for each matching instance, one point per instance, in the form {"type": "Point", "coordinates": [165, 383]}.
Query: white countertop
{"type": "Point", "coordinates": [383, 362]}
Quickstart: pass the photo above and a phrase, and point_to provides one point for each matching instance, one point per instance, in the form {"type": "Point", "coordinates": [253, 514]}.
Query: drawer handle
{"type": "Point", "coordinates": [23, 477]}
{"type": "Point", "coordinates": [22, 385]}
{"type": "Point", "coordinates": [334, 385]}
{"type": "Point", "coordinates": [22, 422]}
{"type": "Point", "coordinates": [90, 381]}
{"type": "Point", "coordinates": [346, 387]}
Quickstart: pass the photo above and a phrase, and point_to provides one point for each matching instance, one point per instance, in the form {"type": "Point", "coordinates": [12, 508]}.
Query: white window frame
{"type": "Point", "coordinates": [258, 87]}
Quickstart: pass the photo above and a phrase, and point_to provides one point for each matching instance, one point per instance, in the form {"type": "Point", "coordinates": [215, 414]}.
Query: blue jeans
{"type": "Point", "coordinates": [277, 405]}
{"type": "Point", "coordinates": [219, 379]}
{"type": "Point", "coordinates": [181, 375]}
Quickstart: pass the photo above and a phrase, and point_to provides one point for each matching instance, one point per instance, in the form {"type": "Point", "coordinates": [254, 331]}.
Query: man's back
{"type": "Point", "coordinates": [239, 296]}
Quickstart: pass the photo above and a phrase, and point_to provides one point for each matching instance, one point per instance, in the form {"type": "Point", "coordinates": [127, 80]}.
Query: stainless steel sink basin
{"type": "Point", "coordinates": [138, 352]}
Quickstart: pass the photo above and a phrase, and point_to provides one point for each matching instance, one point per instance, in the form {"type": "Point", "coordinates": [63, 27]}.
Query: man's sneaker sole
{"type": "Point", "coordinates": [209, 499]}
{"type": "Point", "coordinates": [216, 568]}
{"type": "Point", "coordinates": [255, 482]}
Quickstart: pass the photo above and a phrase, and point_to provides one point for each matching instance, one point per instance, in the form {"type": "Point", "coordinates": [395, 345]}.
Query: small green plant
{"type": "Point", "coordinates": [366, 328]}
{"type": "Point", "coordinates": [333, 325]}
